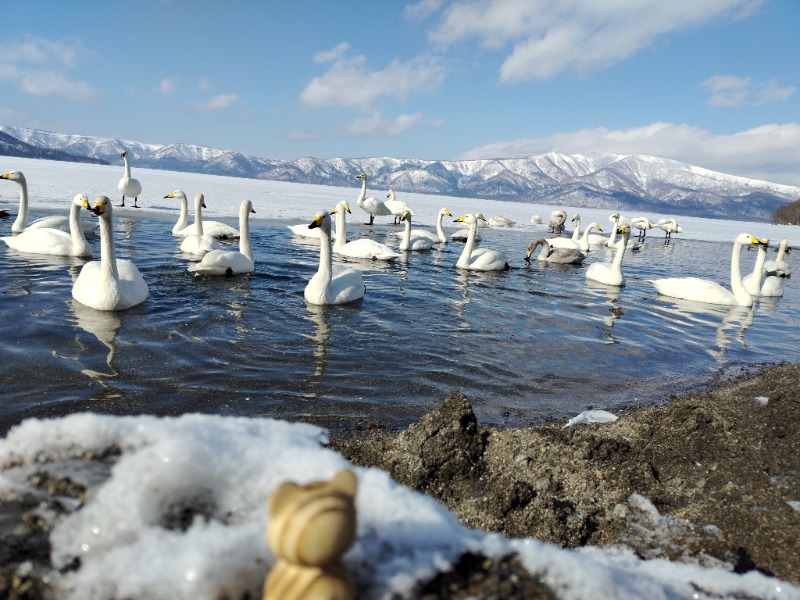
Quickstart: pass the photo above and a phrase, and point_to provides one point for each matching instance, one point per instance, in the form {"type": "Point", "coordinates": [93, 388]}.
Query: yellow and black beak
{"type": "Point", "coordinates": [757, 242]}
{"type": "Point", "coordinates": [459, 219]}
{"type": "Point", "coordinates": [317, 222]}
{"type": "Point", "coordinates": [447, 213]}
{"type": "Point", "coordinates": [170, 195]}
{"type": "Point", "coordinates": [99, 208]}
{"type": "Point", "coordinates": [5, 176]}
{"type": "Point", "coordinates": [346, 207]}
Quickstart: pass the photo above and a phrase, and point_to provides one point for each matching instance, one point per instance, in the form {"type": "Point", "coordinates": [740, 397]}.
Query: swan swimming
{"type": "Point", "coordinates": [482, 259]}
{"type": "Point", "coordinates": [183, 219]}
{"type": "Point", "coordinates": [54, 241]}
{"type": "Point", "coordinates": [775, 273]}
{"type": "Point", "coordinates": [779, 266]}
{"type": "Point", "coordinates": [704, 290]}
{"type": "Point", "coordinates": [611, 273]}
{"type": "Point", "coordinates": [360, 248]}
{"type": "Point", "coordinates": [230, 262]}
{"type": "Point", "coordinates": [398, 207]}
{"type": "Point", "coordinates": [564, 256]}
{"type": "Point", "coordinates": [582, 243]}
{"type": "Point", "coordinates": [372, 206]}
{"type": "Point", "coordinates": [197, 242]}
{"type": "Point", "coordinates": [413, 243]}
{"type": "Point", "coordinates": [216, 229]}
{"type": "Point", "coordinates": [108, 284]}
{"type": "Point", "coordinates": [329, 285]}
{"type": "Point", "coordinates": [128, 186]}
{"type": "Point", "coordinates": [437, 238]}
{"type": "Point", "coordinates": [55, 222]}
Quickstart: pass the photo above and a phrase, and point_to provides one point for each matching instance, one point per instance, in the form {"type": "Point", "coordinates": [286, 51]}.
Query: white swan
{"type": "Point", "coordinates": [128, 186]}
{"type": "Point", "coordinates": [611, 273]}
{"type": "Point", "coordinates": [437, 238]}
{"type": "Point", "coordinates": [501, 221]}
{"type": "Point", "coordinates": [230, 262]}
{"type": "Point", "coordinates": [557, 220]}
{"type": "Point", "coordinates": [55, 222]}
{"type": "Point", "coordinates": [197, 242]}
{"type": "Point", "coordinates": [536, 220]}
{"type": "Point", "coordinates": [752, 281]}
{"type": "Point", "coordinates": [642, 224]}
{"type": "Point", "coordinates": [54, 241]}
{"type": "Point", "coordinates": [670, 226]}
{"type": "Point", "coordinates": [775, 272]}
{"type": "Point", "coordinates": [462, 235]}
{"type": "Point", "coordinates": [564, 256]}
{"type": "Point", "coordinates": [703, 290]}
{"type": "Point", "coordinates": [398, 207]}
{"type": "Point", "coordinates": [183, 219]}
{"type": "Point", "coordinates": [329, 285]}
{"type": "Point", "coordinates": [483, 259]}
{"type": "Point", "coordinates": [108, 284]}
{"type": "Point", "coordinates": [360, 248]}
{"type": "Point", "coordinates": [215, 229]}
{"type": "Point", "coordinates": [413, 243]}
{"type": "Point", "coordinates": [779, 266]}
{"type": "Point", "coordinates": [581, 244]}
{"type": "Point", "coordinates": [372, 206]}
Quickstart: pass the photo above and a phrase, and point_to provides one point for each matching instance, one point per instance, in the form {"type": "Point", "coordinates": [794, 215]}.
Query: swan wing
{"type": "Point", "coordinates": [366, 248]}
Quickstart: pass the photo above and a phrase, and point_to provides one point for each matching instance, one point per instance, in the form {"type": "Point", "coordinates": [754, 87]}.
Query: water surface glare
{"type": "Point", "coordinates": [533, 343]}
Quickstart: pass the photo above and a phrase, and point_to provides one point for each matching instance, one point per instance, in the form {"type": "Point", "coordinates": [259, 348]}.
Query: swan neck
{"type": "Point", "coordinates": [108, 258]}
{"type": "Point", "coordinates": [621, 247]}
{"type": "Point", "coordinates": [439, 229]}
{"type": "Point", "coordinates": [22, 218]}
{"type": "Point", "coordinates": [782, 249]}
{"type": "Point", "coordinates": [741, 294]}
{"type": "Point", "coordinates": [325, 271]}
{"type": "Point", "coordinates": [127, 166]}
{"type": "Point", "coordinates": [466, 254]}
{"type": "Point", "coordinates": [341, 228]}
{"type": "Point", "coordinates": [245, 247]}
{"type": "Point", "coordinates": [183, 220]}
{"type": "Point", "coordinates": [754, 283]}
{"type": "Point", "coordinates": [360, 198]}
{"type": "Point", "coordinates": [407, 233]}
{"type": "Point", "coordinates": [576, 234]}
{"type": "Point", "coordinates": [198, 218]}
{"type": "Point", "coordinates": [75, 229]}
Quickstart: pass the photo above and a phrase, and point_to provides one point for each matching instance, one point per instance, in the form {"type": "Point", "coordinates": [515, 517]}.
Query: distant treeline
{"type": "Point", "coordinates": [788, 214]}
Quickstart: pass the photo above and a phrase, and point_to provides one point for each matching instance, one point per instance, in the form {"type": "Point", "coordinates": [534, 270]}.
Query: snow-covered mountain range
{"type": "Point", "coordinates": [617, 182]}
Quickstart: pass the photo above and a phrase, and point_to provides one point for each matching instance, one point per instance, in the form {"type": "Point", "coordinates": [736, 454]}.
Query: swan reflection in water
{"type": "Point", "coordinates": [320, 337]}
{"type": "Point", "coordinates": [610, 295]}
{"type": "Point", "coordinates": [102, 324]}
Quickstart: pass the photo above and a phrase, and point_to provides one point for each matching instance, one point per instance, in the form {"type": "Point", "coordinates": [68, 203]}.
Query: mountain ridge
{"type": "Point", "coordinates": [594, 180]}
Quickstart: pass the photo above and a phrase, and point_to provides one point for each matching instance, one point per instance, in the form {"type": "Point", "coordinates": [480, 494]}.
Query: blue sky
{"type": "Point", "coordinates": [715, 83]}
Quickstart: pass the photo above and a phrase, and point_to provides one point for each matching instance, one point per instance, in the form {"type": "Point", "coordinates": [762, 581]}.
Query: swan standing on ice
{"type": "Point", "coordinates": [183, 219]}
{"type": "Point", "coordinates": [642, 224]}
{"type": "Point", "coordinates": [413, 243]}
{"type": "Point", "coordinates": [21, 222]}
{"type": "Point", "coordinates": [557, 220]}
{"type": "Point", "coordinates": [398, 207]}
{"type": "Point", "coordinates": [197, 242]}
{"type": "Point", "coordinates": [704, 290]}
{"type": "Point", "coordinates": [372, 206]}
{"type": "Point", "coordinates": [564, 256]}
{"type": "Point", "coordinates": [329, 285]}
{"type": "Point", "coordinates": [230, 262]}
{"type": "Point", "coordinates": [128, 186]}
{"type": "Point", "coordinates": [360, 248]}
{"type": "Point", "coordinates": [108, 284]}
{"type": "Point", "coordinates": [437, 238]}
{"type": "Point", "coordinates": [482, 259]}
{"type": "Point", "coordinates": [54, 241]}
{"type": "Point", "coordinates": [670, 226]}
{"type": "Point", "coordinates": [611, 273]}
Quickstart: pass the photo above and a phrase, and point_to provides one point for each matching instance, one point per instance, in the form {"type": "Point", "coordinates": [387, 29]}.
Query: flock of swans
{"type": "Point", "coordinates": [115, 284]}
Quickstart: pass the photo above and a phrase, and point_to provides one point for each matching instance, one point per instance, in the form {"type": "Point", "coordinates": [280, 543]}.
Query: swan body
{"type": "Point", "coordinates": [55, 222]}
{"type": "Point", "coordinates": [483, 259]}
{"type": "Point", "coordinates": [611, 273]}
{"type": "Point", "coordinates": [557, 220]}
{"type": "Point", "coordinates": [398, 207]}
{"type": "Point", "coordinates": [230, 262]}
{"type": "Point", "coordinates": [128, 186]}
{"type": "Point", "coordinates": [670, 226]}
{"type": "Point", "coordinates": [501, 221]}
{"type": "Point", "coordinates": [437, 238]}
{"type": "Point", "coordinates": [413, 243]}
{"type": "Point", "coordinates": [197, 242]}
{"type": "Point", "coordinates": [329, 285]}
{"type": "Point", "coordinates": [360, 248]}
{"type": "Point", "coordinates": [536, 220]}
{"type": "Point", "coordinates": [372, 206]}
{"type": "Point", "coordinates": [201, 227]}
{"type": "Point", "coordinates": [704, 290]}
{"type": "Point", "coordinates": [183, 219]}
{"type": "Point", "coordinates": [564, 256]}
{"type": "Point", "coordinates": [108, 284]}
{"type": "Point", "coordinates": [54, 241]}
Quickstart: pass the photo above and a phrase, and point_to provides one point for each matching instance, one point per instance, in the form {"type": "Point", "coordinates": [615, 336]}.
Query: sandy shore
{"type": "Point", "coordinates": [713, 477]}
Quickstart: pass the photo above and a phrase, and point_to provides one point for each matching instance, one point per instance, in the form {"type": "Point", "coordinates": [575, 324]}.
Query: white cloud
{"type": "Point", "coordinates": [303, 135]}
{"type": "Point", "coordinates": [168, 85]}
{"type": "Point", "coordinates": [727, 90]}
{"type": "Point", "coordinates": [204, 84]}
{"type": "Point", "coordinates": [349, 83]}
{"type": "Point", "coordinates": [40, 51]}
{"type": "Point", "coordinates": [217, 102]}
{"type": "Point", "coordinates": [547, 37]}
{"type": "Point", "coordinates": [337, 53]}
{"type": "Point", "coordinates": [422, 9]}
{"type": "Point", "coordinates": [376, 125]}
{"type": "Point", "coordinates": [768, 152]}
{"type": "Point", "coordinates": [54, 83]}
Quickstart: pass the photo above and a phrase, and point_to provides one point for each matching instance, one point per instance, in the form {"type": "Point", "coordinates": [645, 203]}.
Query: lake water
{"type": "Point", "coordinates": [533, 343]}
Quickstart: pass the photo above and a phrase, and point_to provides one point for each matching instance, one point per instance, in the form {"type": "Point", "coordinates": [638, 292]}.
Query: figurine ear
{"type": "Point", "coordinates": [282, 496]}
{"type": "Point", "coordinates": [345, 481]}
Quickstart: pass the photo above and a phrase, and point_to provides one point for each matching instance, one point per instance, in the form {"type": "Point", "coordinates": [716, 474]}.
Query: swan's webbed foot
{"type": "Point", "coordinates": [123, 202]}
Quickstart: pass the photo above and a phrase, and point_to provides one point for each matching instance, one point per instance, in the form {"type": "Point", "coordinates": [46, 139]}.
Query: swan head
{"type": "Point", "coordinates": [479, 216]}
{"type": "Point", "coordinates": [406, 216]}
{"type": "Point", "coordinates": [390, 194]}
{"type": "Point", "coordinates": [200, 200]}
{"type": "Point", "coordinates": [576, 217]}
{"type": "Point", "coordinates": [595, 226]}
{"type": "Point", "coordinates": [446, 213]}
{"type": "Point", "coordinates": [102, 206]}
{"type": "Point", "coordinates": [344, 205]}
{"type": "Point", "coordinates": [361, 176]}
{"type": "Point", "coordinates": [746, 238]}
{"type": "Point", "coordinates": [465, 219]}
{"type": "Point", "coordinates": [176, 194]}
{"type": "Point", "coordinates": [81, 200]}
{"type": "Point", "coordinates": [322, 220]}
{"type": "Point", "coordinates": [13, 176]}
{"type": "Point", "coordinates": [247, 207]}
{"type": "Point", "coordinates": [533, 245]}
{"type": "Point", "coordinates": [124, 153]}
{"type": "Point", "coordinates": [614, 217]}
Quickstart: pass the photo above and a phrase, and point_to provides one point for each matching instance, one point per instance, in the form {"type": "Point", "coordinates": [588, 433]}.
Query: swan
{"type": "Point", "coordinates": [581, 244]}
{"type": "Point", "coordinates": [216, 229]}
{"type": "Point", "coordinates": [128, 186]}
{"type": "Point", "coordinates": [437, 238]}
{"type": "Point", "coordinates": [501, 221]}
{"type": "Point", "coordinates": [483, 259]}
{"type": "Point", "coordinates": [413, 243]}
{"type": "Point", "coordinates": [775, 271]}
{"type": "Point", "coordinates": [183, 219]}
{"type": "Point", "coordinates": [703, 290]}
{"type": "Point", "coordinates": [536, 220]}
{"type": "Point", "coordinates": [642, 224]}
{"type": "Point", "coordinates": [329, 285]}
{"type": "Point", "coordinates": [670, 226]}
{"type": "Point", "coordinates": [398, 207]}
{"type": "Point", "coordinates": [611, 273]}
{"type": "Point", "coordinates": [373, 206]}
{"type": "Point", "coordinates": [463, 234]}
{"type": "Point", "coordinates": [752, 281]}
{"type": "Point", "coordinates": [557, 220]}
{"type": "Point", "coordinates": [230, 262]}
{"type": "Point", "coordinates": [360, 248]}
{"type": "Point", "coordinates": [779, 266]}
{"type": "Point", "coordinates": [564, 256]}
{"type": "Point", "coordinates": [108, 284]}
{"type": "Point", "coordinates": [54, 241]}
{"type": "Point", "coordinates": [55, 222]}
{"type": "Point", "coordinates": [197, 242]}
